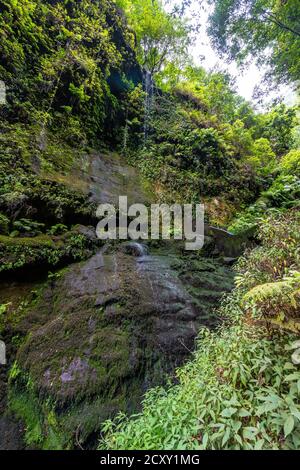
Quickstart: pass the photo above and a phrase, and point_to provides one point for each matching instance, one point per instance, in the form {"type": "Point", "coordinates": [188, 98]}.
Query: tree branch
{"type": "Point", "coordinates": [273, 19]}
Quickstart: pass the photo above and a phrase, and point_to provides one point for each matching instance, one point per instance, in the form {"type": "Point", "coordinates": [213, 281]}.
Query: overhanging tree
{"type": "Point", "coordinates": [266, 29]}
{"type": "Point", "coordinates": [160, 36]}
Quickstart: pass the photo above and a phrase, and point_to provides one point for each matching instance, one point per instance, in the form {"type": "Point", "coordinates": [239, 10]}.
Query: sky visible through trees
{"type": "Point", "coordinates": [203, 53]}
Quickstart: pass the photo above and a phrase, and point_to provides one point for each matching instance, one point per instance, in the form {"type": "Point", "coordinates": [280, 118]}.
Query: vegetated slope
{"type": "Point", "coordinates": [69, 72]}
{"type": "Point", "coordinates": [241, 390]}
{"type": "Point", "coordinates": [101, 333]}
{"type": "Point", "coordinates": [205, 143]}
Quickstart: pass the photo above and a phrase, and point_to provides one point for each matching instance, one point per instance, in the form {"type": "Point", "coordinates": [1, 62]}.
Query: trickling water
{"type": "Point", "coordinates": [149, 91]}
{"type": "Point", "coordinates": [125, 135]}
{"type": "Point", "coordinates": [134, 248]}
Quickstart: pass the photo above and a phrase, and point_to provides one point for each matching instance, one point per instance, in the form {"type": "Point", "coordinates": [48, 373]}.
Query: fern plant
{"type": "Point", "coordinates": [278, 301]}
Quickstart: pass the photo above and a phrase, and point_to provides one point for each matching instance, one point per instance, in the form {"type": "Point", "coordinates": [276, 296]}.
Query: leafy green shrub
{"type": "Point", "coordinates": [250, 218]}
{"type": "Point", "coordinates": [26, 226]}
{"type": "Point", "coordinates": [290, 163]}
{"type": "Point", "coordinates": [74, 48]}
{"type": "Point", "coordinates": [263, 159]}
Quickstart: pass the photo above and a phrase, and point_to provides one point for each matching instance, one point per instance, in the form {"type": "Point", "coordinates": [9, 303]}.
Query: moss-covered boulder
{"type": "Point", "coordinates": [21, 254]}
{"type": "Point", "coordinates": [103, 333]}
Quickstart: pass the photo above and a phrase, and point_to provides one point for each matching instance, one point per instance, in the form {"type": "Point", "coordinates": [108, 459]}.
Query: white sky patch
{"type": "Point", "coordinates": [204, 54]}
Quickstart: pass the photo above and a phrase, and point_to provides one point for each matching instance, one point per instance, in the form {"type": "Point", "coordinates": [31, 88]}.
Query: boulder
{"type": "Point", "coordinates": [110, 328]}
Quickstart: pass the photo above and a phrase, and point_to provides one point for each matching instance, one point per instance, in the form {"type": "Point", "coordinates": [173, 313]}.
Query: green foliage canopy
{"type": "Point", "coordinates": [266, 29]}
{"type": "Point", "coordinates": [160, 36]}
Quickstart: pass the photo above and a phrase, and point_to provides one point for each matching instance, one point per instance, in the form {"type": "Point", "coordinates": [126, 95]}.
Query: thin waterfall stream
{"type": "Point", "coordinates": [149, 101]}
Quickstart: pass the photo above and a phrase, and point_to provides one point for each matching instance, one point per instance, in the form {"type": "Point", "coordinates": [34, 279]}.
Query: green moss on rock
{"type": "Point", "coordinates": [44, 250]}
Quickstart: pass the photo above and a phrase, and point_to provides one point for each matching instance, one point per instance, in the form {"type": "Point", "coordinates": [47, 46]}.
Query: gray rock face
{"type": "Point", "coordinates": [109, 328]}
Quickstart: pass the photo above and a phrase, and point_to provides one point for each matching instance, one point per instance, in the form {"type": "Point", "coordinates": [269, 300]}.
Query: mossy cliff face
{"type": "Point", "coordinates": [42, 201]}
{"type": "Point", "coordinates": [68, 66]}
{"type": "Point", "coordinates": [103, 333]}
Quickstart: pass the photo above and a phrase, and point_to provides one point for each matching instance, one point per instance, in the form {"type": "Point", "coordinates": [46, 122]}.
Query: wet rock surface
{"type": "Point", "coordinates": [112, 327]}
{"type": "Point", "coordinates": [108, 177]}
{"type": "Point", "coordinates": [11, 432]}
{"type": "Point", "coordinates": [219, 242]}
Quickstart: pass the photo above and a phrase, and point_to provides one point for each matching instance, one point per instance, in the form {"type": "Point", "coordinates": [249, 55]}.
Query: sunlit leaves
{"type": "Point", "coordinates": [265, 29]}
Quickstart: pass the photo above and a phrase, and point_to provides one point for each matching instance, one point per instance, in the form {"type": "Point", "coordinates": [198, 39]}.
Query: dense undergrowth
{"type": "Point", "coordinates": [204, 142]}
